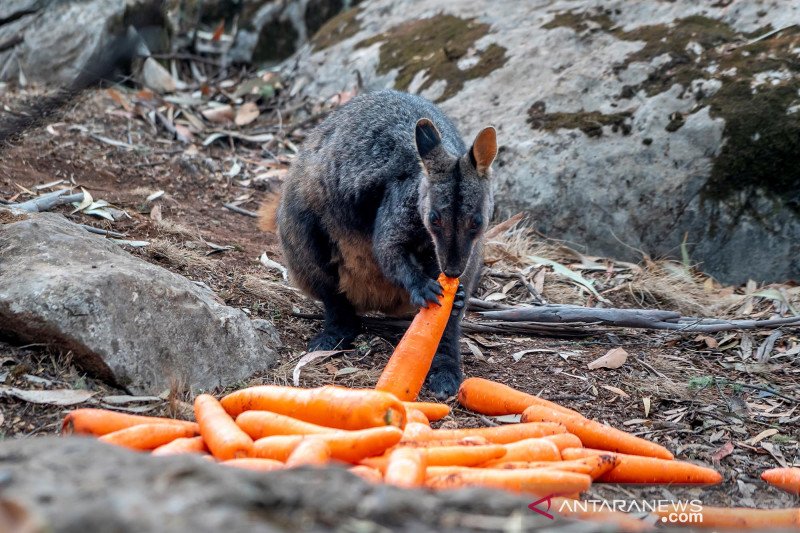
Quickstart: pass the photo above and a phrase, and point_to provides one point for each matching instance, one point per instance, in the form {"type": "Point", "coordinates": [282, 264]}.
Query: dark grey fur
{"type": "Point", "coordinates": [376, 205]}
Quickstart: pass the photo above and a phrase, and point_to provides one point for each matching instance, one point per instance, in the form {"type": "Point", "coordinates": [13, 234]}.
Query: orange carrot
{"type": "Point", "coordinates": [434, 411]}
{"type": "Point", "coordinates": [182, 445]}
{"type": "Point", "coordinates": [328, 406]}
{"type": "Point", "coordinates": [408, 366]}
{"type": "Point", "coordinates": [147, 436]}
{"type": "Point", "coordinates": [564, 440]}
{"type": "Point", "coordinates": [309, 451]}
{"type": "Point", "coordinates": [406, 468]}
{"type": "Point", "coordinates": [638, 469]}
{"type": "Point", "coordinates": [596, 435]}
{"type": "Point", "coordinates": [102, 421]}
{"type": "Point", "coordinates": [348, 446]}
{"type": "Point", "coordinates": [259, 424]}
{"type": "Point", "coordinates": [491, 398]}
{"type": "Point", "coordinates": [540, 481]}
{"type": "Point", "coordinates": [415, 415]}
{"type": "Point", "coordinates": [366, 473]}
{"type": "Point", "coordinates": [787, 479]}
{"type": "Point", "coordinates": [414, 431]}
{"type": "Point", "coordinates": [466, 441]}
{"type": "Point", "coordinates": [593, 466]}
{"type": "Point", "coordinates": [529, 450]}
{"type": "Point", "coordinates": [447, 456]}
{"type": "Point", "coordinates": [503, 434]}
{"type": "Point", "coordinates": [738, 518]}
{"type": "Point", "coordinates": [250, 463]}
{"type": "Point", "coordinates": [223, 437]}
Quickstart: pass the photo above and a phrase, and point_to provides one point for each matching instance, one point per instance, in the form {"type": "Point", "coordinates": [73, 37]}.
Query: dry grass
{"type": "Point", "coordinates": [174, 255]}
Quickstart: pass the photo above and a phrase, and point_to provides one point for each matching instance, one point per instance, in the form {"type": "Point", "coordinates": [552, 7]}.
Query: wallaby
{"type": "Point", "coordinates": [382, 197]}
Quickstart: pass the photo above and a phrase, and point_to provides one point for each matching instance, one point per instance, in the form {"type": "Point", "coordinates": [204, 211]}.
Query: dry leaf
{"type": "Point", "coordinates": [711, 342]}
{"type": "Point", "coordinates": [122, 400]}
{"type": "Point", "coordinates": [497, 229]}
{"type": "Point", "coordinates": [345, 371]}
{"type": "Point", "coordinates": [309, 357]}
{"type": "Point", "coordinates": [646, 404]}
{"type": "Point", "coordinates": [615, 358]}
{"type": "Point", "coordinates": [475, 350]}
{"type": "Point", "coordinates": [155, 213]}
{"type": "Point", "coordinates": [220, 114]}
{"type": "Point", "coordinates": [615, 390]}
{"type": "Point", "coordinates": [761, 436]}
{"type": "Point", "coordinates": [246, 114]}
{"type": "Point", "coordinates": [50, 397]}
{"type": "Point", "coordinates": [157, 77]}
{"type": "Point", "coordinates": [508, 419]}
{"type": "Point", "coordinates": [724, 451]}
{"type": "Point", "coordinates": [119, 99]}
{"type": "Point", "coordinates": [495, 296]}
{"type": "Point", "coordinates": [520, 354]}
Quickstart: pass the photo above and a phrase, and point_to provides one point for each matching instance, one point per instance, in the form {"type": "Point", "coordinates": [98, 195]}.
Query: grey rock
{"type": "Point", "coordinates": [126, 320]}
{"type": "Point", "coordinates": [273, 30]}
{"type": "Point", "coordinates": [74, 484]}
{"type": "Point", "coordinates": [55, 42]}
{"type": "Point", "coordinates": [623, 126]}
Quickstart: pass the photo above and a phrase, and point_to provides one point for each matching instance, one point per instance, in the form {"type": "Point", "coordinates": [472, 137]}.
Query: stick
{"type": "Point", "coordinates": [106, 232]}
{"type": "Point", "coordinates": [630, 318]}
{"type": "Point", "coordinates": [48, 201]}
{"type": "Point", "coordinates": [241, 211]}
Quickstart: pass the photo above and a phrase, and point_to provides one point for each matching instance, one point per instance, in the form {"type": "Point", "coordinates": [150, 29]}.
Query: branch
{"type": "Point", "coordinates": [48, 201]}
{"type": "Point", "coordinates": [628, 318]}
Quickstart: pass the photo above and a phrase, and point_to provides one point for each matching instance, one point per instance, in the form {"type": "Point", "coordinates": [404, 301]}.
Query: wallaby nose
{"type": "Point", "coordinates": [452, 272]}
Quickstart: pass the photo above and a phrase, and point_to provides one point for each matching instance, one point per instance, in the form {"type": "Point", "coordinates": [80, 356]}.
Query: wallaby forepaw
{"type": "Point", "coordinates": [443, 380]}
{"type": "Point", "coordinates": [426, 292]}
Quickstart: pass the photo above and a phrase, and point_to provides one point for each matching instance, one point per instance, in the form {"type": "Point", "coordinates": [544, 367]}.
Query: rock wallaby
{"type": "Point", "coordinates": [383, 196]}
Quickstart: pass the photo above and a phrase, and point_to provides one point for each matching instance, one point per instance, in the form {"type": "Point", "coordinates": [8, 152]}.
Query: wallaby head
{"type": "Point", "coordinates": [455, 194]}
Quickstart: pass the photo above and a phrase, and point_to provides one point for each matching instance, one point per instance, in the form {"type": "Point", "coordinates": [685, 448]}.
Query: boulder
{"type": "Point", "coordinates": [129, 322]}
{"type": "Point", "coordinates": [272, 30]}
{"type": "Point", "coordinates": [56, 42]}
{"type": "Point", "coordinates": [664, 128]}
{"type": "Point", "coordinates": [74, 484]}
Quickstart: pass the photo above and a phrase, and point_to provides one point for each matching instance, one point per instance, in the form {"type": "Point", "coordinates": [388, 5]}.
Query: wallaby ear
{"type": "Point", "coordinates": [484, 150]}
{"type": "Point", "coordinates": [427, 137]}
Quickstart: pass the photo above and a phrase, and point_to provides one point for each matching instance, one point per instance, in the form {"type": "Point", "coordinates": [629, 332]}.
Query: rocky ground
{"type": "Point", "coordinates": [728, 400]}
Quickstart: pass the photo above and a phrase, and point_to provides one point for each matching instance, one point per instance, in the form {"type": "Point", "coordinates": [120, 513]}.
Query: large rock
{"type": "Point", "coordinates": [272, 30]}
{"type": "Point", "coordinates": [76, 485]}
{"type": "Point", "coordinates": [58, 41]}
{"type": "Point", "coordinates": [624, 126]}
{"type": "Point", "coordinates": [126, 321]}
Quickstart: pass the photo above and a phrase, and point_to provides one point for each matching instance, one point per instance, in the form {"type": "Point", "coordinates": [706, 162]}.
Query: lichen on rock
{"type": "Point", "coordinates": [434, 46]}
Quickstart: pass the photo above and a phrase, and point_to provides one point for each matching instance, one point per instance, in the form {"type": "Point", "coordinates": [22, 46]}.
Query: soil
{"type": "Point", "coordinates": [705, 404]}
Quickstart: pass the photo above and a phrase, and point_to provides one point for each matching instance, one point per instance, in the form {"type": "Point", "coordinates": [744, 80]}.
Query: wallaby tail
{"type": "Point", "coordinates": [268, 213]}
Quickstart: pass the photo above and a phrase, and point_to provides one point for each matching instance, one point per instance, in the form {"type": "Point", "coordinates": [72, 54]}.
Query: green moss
{"type": "Point", "coordinates": [435, 45]}
{"type": "Point", "coordinates": [762, 140]}
{"type": "Point", "coordinates": [580, 21]}
{"type": "Point", "coordinates": [589, 122]}
{"type": "Point", "coordinates": [341, 27]}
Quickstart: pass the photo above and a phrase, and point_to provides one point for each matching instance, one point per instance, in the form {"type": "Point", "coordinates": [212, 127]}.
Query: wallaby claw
{"type": "Point", "coordinates": [460, 300]}
{"type": "Point", "coordinates": [427, 292]}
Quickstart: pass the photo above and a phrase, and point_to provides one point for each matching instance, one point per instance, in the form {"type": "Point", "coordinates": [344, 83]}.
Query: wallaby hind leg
{"type": "Point", "coordinates": [342, 325]}
{"type": "Point", "coordinates": [445, 375]}
{"type": "Point", "coordinates": [308, 250]}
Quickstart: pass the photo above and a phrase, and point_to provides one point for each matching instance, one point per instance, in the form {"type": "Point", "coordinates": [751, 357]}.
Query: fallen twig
{"type": "Point", "coordinates": [48, 201]}
{"type": "Point", "coordinates": [629, 318]}
{"type": "Point", "coordinates": [106, 232]}
{"type": "Point", "coordinates": [241, 211]}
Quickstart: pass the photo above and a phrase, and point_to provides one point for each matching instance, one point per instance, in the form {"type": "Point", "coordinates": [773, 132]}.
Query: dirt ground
{"type": "Point", "coordinates": [697, 395]}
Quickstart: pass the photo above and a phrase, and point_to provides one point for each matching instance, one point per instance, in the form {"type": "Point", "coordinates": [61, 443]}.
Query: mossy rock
{"type": "Point", "coordinates": [434, 46]}
{"type": "Point", "coordinates": [762, 136]}
{"type": "Point", "coordinates": [341, 27]}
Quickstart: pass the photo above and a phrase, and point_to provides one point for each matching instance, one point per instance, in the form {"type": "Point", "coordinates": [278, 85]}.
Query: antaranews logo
{"type": "Point", "coordinates": [670, 512]}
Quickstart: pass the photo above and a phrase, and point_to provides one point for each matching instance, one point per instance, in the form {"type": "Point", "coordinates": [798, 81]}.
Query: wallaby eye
{"type": "Point", "coordinates": [476, 221]}
{"type": "Point", "coordinates": [435, 219]}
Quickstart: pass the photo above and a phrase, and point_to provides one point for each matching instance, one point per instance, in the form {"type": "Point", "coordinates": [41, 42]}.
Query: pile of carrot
{"type": "Point", "coordinates": [384, 435]}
